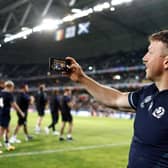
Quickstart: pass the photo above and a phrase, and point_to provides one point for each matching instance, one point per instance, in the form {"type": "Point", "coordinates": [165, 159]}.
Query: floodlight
{"type": "Point", "coordinates": [68, 18]}
{"type": "Point", "coordinates": [18, 35]}
{"type": "Point", "coordinates": [24, 28]}
{"type": "Point", "coordinates": [101, 7]}
{"type": "Point", "coordinates": [47, 24]}
{"type": "Point", "coordinates": [90, 68]}
{"type": "Point", "coordinates": [75, 10]}
{"type": "Point", "coordinates": [80, 14]}
{"type": "Point", "coordinates": [118, 2]}
{"type": "Point", "coordinates": [50, 24]}
{"type": "Point", "coordinates": [112, 8]}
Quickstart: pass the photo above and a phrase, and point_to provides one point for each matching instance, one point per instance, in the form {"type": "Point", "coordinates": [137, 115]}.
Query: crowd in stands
{"type": "Point", "coordinates": [123, 70]}
{"type": "Point", "coordinates": [120, 67]}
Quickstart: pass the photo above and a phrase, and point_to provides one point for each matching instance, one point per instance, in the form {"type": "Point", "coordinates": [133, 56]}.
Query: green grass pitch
{"type": "Point", "coordinates": [98, 143]}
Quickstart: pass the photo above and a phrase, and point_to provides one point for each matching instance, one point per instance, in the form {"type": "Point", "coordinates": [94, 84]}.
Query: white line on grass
{"type": "Point", "coordinates": [80, 148]}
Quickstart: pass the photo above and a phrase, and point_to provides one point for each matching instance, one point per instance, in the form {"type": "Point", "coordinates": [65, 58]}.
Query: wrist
{"type": "Point", "coordinates": [82, 78]}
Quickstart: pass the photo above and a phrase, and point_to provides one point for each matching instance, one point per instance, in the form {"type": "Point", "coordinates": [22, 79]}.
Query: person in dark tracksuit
{"type": "Point", "coordinates": [40, 101]}
{"type": "Point", "coordinates": [54, 109]}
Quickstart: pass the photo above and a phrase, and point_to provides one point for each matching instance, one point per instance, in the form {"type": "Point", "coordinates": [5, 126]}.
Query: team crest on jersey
{"type": "Point", "coordinates": [146, 100]}
{"type": "Point", "coordinates": [158, 112]}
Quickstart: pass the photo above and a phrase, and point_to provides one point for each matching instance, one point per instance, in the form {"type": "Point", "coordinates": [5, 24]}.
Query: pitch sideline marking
{"type": "Point", "coordinates": [80, 148]}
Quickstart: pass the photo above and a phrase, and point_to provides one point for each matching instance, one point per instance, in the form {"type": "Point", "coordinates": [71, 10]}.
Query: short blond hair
{"type": "Point", "coordinates": [9, 84]}
{"type": "Point", "coordinates": [160, 36]}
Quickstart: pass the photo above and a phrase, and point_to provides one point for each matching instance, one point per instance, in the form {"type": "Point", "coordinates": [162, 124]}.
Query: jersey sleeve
{"type": "Point", "coordinates": [134, 97]}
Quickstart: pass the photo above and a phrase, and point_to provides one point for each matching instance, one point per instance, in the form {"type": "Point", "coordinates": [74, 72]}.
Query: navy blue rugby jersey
{"type": "Point", "coordinates": [23, 100]}
{"type": "Point", "coordinates": [55, 103]}
{"type": "Point", "coordinates": [41, 99]}
{"type": "Point", "coordinates": [149, 148]}
{"type": "Point", "coordinates": [65, 108]}
{"type": "Point", "coordinates": [6, 99]}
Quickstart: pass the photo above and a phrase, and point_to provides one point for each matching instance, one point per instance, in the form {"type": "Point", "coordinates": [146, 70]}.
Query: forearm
{"type": "Point", "coordinates": [17, 108]}
{"type": "Point", "coordinates": [104, 94]}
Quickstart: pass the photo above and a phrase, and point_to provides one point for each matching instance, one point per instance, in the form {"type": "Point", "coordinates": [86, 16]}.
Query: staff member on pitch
{"type": "Point", "coordinates": [149, 147]}
{"type": "Point", "coordinates": [40, 101]}
{"type": "Point", "coordinates": [54, 109]}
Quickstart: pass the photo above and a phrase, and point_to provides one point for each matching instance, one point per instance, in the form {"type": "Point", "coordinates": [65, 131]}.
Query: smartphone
{"type": "Point", "coordinates": [57, 65]}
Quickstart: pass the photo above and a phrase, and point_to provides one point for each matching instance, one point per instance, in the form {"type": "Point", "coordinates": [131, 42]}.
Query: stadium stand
{"type": "Point", "coordinates": [118, 66]}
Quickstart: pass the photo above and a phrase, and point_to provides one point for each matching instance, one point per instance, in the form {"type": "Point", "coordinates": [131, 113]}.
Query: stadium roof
{"type": "Point", "coordinates": [125, 28]}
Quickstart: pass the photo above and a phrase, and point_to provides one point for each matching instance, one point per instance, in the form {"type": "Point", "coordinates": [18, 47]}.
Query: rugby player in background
{"type": "Point", "coordinates": [54, 109]}
{"type": "Point", "coordinates": [66, 105]}
{"type": "Point", "coordinates": [6, 102]}
{"type": "Point", "coordinates": [23, 100]}
{"type": "Point", "coordinates": [2, 85]}
{"type": "Point", "coordinates": [41, 102]}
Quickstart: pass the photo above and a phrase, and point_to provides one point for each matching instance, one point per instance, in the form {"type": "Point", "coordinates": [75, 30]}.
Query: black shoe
{"type": "Point", "coordinates": [29, 138]}
{"type": "Point", "coordinates": [61, 139]}
{"type": "Point", "coordinates": [69, 139]}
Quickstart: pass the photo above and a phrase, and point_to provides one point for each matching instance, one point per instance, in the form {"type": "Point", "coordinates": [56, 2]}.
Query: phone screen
{"type": "Point", "coordinates": [57, 65]}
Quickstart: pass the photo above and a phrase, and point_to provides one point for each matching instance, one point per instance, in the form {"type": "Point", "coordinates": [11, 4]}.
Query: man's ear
{"type": "Point", "coordinates": [166, 62]}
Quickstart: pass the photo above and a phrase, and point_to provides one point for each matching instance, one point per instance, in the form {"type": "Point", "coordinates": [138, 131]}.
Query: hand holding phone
{"type": "Point", "coordinates": [57, 65]}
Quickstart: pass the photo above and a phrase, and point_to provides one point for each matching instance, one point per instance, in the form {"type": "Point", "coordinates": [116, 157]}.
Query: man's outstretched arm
{"type": "Point", "coordinates": [106, 95]}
